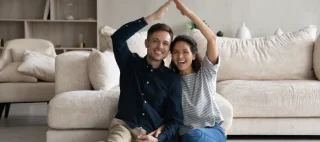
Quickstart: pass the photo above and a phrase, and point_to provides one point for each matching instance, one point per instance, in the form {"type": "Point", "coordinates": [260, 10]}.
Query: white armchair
{"type": "Point", "coordinates": [23, 92]}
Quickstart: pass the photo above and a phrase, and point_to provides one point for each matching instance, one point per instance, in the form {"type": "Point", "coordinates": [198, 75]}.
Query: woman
{"type": "Point", "coordinates": [202, 117]}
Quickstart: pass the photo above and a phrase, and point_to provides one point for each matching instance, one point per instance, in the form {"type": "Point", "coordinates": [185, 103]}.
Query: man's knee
{"type": "Point", "coordinates": [119, 133]}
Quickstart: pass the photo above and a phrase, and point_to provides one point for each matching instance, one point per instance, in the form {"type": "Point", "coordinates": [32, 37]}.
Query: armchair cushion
{"type": "Point", "coordinates": [10, 73]}
{"type": "Point", "coordinates": [26, 92]}
{"type": "Point", "coordinates": [103, 70]}
{"type": "Point", "coordinates": [38, 65]}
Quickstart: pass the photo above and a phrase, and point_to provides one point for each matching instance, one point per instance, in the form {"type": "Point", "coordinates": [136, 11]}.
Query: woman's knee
{"type": "Point", "coordinates": [192, 135]}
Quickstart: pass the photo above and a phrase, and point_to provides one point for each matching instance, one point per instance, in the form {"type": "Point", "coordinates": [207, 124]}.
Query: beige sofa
{"type": "Point", "coordinates": [272, 82]}
{"type": "Point", "coordinates": [15, 88]}
{"type": "Point", "coordinates": [79, 114]}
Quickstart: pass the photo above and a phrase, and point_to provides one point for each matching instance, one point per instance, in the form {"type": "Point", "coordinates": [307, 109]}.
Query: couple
{"type": "Point", "coordinates": [155, 101]}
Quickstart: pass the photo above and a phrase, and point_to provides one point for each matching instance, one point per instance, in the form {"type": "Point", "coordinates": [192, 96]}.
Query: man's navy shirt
{"type": "Point", "coordinates": [149, 97]}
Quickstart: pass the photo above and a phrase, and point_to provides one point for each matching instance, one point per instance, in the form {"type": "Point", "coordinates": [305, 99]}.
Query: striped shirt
{"type": "Point", "coordinates": [198, 98]}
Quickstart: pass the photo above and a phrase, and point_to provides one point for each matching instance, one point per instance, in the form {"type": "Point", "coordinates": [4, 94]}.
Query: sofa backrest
{"type": "Point", "coordinates": [277, 57]}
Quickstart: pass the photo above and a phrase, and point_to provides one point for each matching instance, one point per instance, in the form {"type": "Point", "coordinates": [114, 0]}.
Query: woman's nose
{"type": "Point", "coordinates": [180, 55]}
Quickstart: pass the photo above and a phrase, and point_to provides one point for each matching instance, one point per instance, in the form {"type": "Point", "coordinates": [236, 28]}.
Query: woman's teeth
{"type": "Point", "coordinates": [181, 62]}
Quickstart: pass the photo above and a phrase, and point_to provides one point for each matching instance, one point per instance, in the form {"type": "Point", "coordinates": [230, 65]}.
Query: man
{"type": "Point", "coordinates": [150, 92]}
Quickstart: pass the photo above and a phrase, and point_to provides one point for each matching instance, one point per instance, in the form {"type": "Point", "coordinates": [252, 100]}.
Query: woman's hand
{"type": "Point", "coordinates": [212, 50]}
{"type": "Point", "coordinates": [157, 132]}
{"type": "Point", "coordinates": [157, 15]}
{"type": "Point", "coordinates": [180, 6]}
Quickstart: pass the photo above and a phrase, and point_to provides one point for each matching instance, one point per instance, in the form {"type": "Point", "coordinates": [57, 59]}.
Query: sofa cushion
{"type": "Point", "coordinates": [135, 43]}
{"type": "Point", "coordinates": [38, 65]}
{"type": "Point", "coordinates": [277, 57]}
{"type": "Point", "coordinates": [26, 92]}
{"type": "Point", "coordinates": [96, 109]}
{"type": "Point", "coordinates": [10, 73]}
{"type": "Point", "coordinates": [282, 98]}
{"type": "Point", "coordinates": [83, 109]}
{"type": "Point", "coordinates": [76, 135]}
{"type": "Point", "coordinates": [103, 70]}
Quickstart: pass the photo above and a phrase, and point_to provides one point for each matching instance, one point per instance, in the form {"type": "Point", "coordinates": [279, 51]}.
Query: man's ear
{"type": "Point", "coordinates": [146, 43]}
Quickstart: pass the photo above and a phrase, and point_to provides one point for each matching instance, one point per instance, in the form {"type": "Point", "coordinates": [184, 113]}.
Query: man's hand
{"type": "Point", "coordinates": [157, 132]}
{"type": "Point", "coordinates": [180, 6]}
{"type": "Point", "coordinates": [146, 138]}
{"type": "Point", "coordinates": [159, 13]}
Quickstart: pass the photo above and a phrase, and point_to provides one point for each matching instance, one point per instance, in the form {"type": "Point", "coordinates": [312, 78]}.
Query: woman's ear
{"type": "Point", "coordinates": [194, 56]}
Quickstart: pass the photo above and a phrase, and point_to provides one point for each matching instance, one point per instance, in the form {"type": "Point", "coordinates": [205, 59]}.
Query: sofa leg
{"type": "Point", "coordinates": [2, 105]}
{"type": "Point", "coordinates": [6, 114]}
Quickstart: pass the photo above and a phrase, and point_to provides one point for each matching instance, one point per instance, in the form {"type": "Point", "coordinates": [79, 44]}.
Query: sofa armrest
{"type": "Point", "coordinates": [5, 58]}
{"type": "Point", "coordinates": [316, 58]}
{"type": "Point", "coordinates": [83, 109]}
{"type": "Point", "coordinates": [72, 72]}
{"type": "Point", "coordinates": [226, 110]}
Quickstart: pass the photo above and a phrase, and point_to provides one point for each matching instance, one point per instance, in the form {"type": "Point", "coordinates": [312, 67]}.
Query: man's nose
{"type": "Point", "coordinates": [160, 46]}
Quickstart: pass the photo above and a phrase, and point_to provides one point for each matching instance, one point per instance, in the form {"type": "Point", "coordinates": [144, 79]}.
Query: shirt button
{"type": "Point", "coordinates": [143, 114]}
{"type": "Point", "coordinates": [139, 20]}
{"type": "Point", "coordinates": [147, 82]}
{"type": "Point", "coordinates": [126, 25]}
{"type": "Point", "coordinates": [145, 102]}
{"type": "Point", "coordinates": [142, 94]}
{"type": "Point", "coordinates": [151, 70]}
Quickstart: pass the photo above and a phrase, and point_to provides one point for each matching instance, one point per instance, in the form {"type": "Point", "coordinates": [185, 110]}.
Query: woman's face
{"type": "Point", "coordinates": [182, 56]}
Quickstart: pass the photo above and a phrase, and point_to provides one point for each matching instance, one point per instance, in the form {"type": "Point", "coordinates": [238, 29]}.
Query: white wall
{"type": "Point", "coordinates": [262, 17]}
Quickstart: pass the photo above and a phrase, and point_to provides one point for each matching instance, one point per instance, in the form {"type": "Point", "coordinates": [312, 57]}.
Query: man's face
{"type": "Point", "coordinates": [158, 45]}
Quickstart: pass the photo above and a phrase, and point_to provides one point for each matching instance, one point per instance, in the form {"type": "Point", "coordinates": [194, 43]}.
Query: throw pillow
{"type": "Point", "coordinates": [18, 53]}
{"type": "Point", "coordinates": [103, 70]}
{"type": "Point", "coordinates": [10, 74]}
{"type": "Point", "coordinates": [278, 32]}
{"type": "Point", "coordinates": [135, 43]}
{"type": "Point", "coordinates": [38, 65]}
{"type": "Point", "coordinates": [243, 32]}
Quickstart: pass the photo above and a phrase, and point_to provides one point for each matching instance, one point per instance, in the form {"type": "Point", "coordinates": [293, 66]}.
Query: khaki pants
{"type": "Point", "coordinates": [120, 132]}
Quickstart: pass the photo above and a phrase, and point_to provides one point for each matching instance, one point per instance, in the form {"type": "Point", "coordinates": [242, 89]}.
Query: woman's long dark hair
{"type": "Point", "coordinates": [196, 64]}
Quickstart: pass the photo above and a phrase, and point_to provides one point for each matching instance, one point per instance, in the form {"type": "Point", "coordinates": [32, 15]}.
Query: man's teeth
{"type": "Point", "coordinates": [158, 52]}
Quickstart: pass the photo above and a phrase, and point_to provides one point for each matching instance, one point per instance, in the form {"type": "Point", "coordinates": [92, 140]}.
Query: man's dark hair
{"type": "Point", "coordinates": [160, 27]}
{"type": "Point", "coordinates": [196, 64]}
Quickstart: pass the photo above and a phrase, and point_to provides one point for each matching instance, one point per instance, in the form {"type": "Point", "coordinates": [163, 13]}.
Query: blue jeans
{"type": "Point", "coordinates": [208, 134]}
